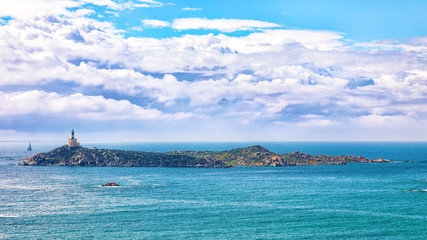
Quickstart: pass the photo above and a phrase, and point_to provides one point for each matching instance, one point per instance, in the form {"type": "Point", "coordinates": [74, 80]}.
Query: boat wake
{"type": "Point", "coordinates": [419, 190]}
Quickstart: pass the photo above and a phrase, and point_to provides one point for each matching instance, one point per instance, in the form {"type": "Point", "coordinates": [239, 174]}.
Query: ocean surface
{"type": "Point", "coordinates": [355, 201]}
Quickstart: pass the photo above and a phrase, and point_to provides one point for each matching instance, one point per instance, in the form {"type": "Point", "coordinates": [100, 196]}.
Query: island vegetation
{"type": "Point", "coordinates": [249, 156]}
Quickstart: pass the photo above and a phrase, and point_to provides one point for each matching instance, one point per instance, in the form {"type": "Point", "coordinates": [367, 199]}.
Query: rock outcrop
{"type": "Point", "coordinates": [380, 160]}
{"type": "Point", "coordinates": [110, 184]}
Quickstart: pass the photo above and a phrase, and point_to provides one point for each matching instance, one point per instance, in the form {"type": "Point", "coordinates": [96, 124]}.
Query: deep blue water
{"type": "Point", "coordinates": [355, 201]}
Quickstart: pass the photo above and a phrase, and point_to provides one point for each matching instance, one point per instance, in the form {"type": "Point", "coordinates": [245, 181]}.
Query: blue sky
{"type": "Point", "coordinates": [148, 70]}
{"type": "Point", "coordinates": [359, 20]}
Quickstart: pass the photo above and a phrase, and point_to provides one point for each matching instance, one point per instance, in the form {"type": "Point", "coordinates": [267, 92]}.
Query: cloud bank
{"type": "Point", "coordinates": [273, 81]}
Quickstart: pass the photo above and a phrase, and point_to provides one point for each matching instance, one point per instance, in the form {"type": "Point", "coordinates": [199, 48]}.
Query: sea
{"type": "Point", "coordinates": [354, 201]}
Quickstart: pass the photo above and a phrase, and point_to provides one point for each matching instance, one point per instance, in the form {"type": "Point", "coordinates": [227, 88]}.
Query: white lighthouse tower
{"type": "Point", "coordinates": [72, 142]}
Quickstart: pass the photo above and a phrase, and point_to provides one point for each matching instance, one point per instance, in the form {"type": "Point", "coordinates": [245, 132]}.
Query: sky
{"type": "Point", "coordinates": [235, 70]}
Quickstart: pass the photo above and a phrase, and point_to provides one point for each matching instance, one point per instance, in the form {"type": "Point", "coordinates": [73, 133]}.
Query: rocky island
{"type": "Point", "coordinates": [74, 154]}
{"type": "Point", "coordinates": [249, 156]}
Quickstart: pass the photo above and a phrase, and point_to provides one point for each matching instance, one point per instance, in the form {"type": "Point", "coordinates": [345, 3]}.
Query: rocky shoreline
{"type": "Point", "coordinates": [249, 156]}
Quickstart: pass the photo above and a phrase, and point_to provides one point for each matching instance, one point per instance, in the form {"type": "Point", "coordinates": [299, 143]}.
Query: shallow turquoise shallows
{"type": "Point", "coordinates": [355, 201]}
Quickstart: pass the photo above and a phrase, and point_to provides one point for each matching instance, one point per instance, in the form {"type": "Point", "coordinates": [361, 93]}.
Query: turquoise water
{"type": "Point", "coordinates": [355, 201]}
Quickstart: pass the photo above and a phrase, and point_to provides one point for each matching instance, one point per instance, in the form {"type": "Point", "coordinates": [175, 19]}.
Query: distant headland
{"type": "Point", "coordinates": [74, 154]}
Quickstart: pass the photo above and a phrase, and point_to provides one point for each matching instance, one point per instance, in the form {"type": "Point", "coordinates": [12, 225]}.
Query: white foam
{"type": "Point", "coordinates": [8, 216]}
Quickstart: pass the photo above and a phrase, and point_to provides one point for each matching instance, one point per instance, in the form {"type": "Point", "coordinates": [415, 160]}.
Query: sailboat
{"type": "Point", "coordinates": [29, 148]}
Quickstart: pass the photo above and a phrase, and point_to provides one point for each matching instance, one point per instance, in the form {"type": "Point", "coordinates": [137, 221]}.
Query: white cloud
{"type": "Point", "coordinates": [294, 78]}
{"type": "Point", "coordinates": [138, 28]}
{"type": "Point", "coordinates": [24, 9]}
{"type": "Point", "coordinates": [191, 9]}
{"type": "Point", "coordinates": [155, 23]}
{"type": "Point", "coordinates": [316, 123]}
{"type": "Point", "coordinates": [224, 25]}
{"type": "Point", "coordinates": [375, 120]}
{"type": "Point", "coordinates": [124, 4]}
{"type": "Point", "coordinates": [108, 3]}
{"type": "Point", "coordinates": [416, 45]}
{"type": "Point", "coordinates": [148, 3]}
{"type": "Point", "coordinates": [76, 105]}
{"type": "Point", "coordinates": [31, 8]}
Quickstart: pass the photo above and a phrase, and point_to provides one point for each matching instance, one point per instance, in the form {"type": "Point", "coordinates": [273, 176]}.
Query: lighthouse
{"type": "Point", "coordinates": [72, 142]}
